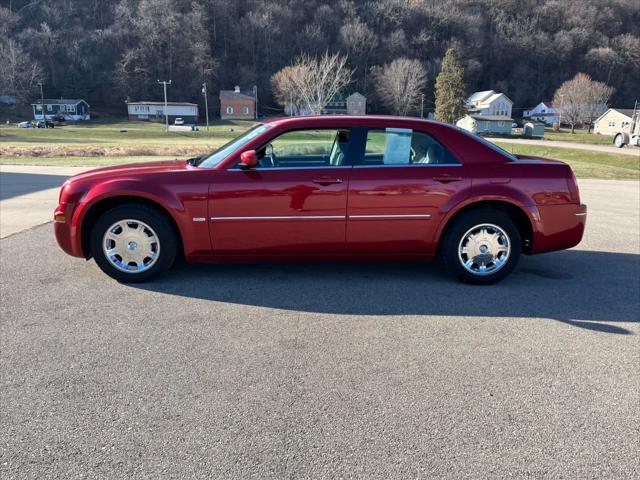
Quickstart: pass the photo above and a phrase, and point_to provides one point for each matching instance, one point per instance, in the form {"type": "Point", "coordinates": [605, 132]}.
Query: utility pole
{"type": "Point", "coordinates": [560, 114]}
{"type": "Point", "coordinates": [422, 106]}
{"type": "Point", "coordinates": [206, 103]}
{"type": "Point", "coordinates": [166, 112]}
{"type": "Point", "coordinates": [255, 102]}
{"type": "Point", "coordinates": [42, 100]}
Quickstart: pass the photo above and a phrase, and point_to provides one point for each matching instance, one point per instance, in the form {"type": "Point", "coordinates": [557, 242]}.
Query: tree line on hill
{"type": "Point", "coordinates": [108, 51]}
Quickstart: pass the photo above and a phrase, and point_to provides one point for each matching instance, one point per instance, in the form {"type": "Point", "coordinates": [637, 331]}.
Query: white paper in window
{"type": "Point", "coordinates": [397, 146]}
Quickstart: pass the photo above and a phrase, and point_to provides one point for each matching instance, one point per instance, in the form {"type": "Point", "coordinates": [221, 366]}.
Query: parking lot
{"type": "Point", "coordinates": [322, 371]}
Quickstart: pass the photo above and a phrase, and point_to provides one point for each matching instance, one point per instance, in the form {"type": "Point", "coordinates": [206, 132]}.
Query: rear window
{"type": "Point", "coordinates": [492, 146]}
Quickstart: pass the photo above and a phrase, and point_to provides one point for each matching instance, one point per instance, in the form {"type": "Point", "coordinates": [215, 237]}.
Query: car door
{"type": "Point", "coordinates": [398, 189]}
{"type": "Point", "coordinates": [293, 202]}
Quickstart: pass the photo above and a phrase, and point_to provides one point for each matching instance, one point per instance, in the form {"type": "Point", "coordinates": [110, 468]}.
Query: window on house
{"type": "Point", "coordinates": [612, 124]}
{"type": "Point", "coordinates": [245, 110]}
{"type": "Point", "coordinates": [49, 108]}
{"type": "Point", "coordinates": [401, 146]}
{"type": "Point", "coordinates": [229, 109]}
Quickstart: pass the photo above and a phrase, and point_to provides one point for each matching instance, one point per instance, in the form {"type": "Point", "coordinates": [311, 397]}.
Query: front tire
{"type": "Point", "coordinates": [133, 243]}
{"type": "Point", "coordinates": [481, 247]}
{"type": "Point", "coordinates": [618, 141]}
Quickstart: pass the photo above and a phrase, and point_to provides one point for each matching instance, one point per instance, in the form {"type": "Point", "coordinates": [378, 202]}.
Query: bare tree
{"type": "Point", "coordinates": [283, 86]}
{"type": "Point", "coordinates": [581, 100]}
{"type": "Point", "coordinates": [400, 84]}
{"type": "Point", "coordinates": [360, 42]}
{"type": "Point", "coordinates": [19, 74]}
{"type": "Point", "coordinates": [318, 79]}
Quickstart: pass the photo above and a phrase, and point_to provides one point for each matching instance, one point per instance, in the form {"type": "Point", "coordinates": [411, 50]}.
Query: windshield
{"type": "Point", "coordinates": [213, 159]}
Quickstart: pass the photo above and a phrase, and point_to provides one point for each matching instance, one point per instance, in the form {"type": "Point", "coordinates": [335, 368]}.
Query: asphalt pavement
{"type": "Point", "coordinates": [326, 371]}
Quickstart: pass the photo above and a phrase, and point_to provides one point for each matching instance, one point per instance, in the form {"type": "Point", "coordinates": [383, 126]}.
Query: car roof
{"type": "Point", "coordinates": [351, 121]}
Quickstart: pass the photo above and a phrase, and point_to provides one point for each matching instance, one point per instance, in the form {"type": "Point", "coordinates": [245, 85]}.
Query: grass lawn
{"type": "Point", "coordinates": [585, 164]}
{"type": "Point", "coordinates": [581, 136]}
{"type": "Point", "coordinates": [114, 139]}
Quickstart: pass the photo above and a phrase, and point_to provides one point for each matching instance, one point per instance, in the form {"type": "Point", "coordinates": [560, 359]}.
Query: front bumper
{"type": "Point", "coordinates": [65, 231]}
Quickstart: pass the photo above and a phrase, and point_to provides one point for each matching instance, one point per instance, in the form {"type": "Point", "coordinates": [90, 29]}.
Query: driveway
{"type": "Point", "coordinates": [632, 151]}
{"type": "Point", "coordinates": [326, 371]}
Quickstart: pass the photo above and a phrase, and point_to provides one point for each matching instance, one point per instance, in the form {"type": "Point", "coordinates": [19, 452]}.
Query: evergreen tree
{"type": "Point", "coordinates": [450, 89]}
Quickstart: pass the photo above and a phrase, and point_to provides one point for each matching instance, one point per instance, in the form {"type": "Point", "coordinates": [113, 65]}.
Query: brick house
{"type": "Point", "coordinates": [237, 105]}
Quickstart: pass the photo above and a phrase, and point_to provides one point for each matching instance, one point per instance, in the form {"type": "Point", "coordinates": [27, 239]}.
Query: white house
{"type": "Point", "coordinates": [154, 111]}
{"type": "Point", "coordinates": [489, 102]}
{"type": "Point", "coordinates": [544, 112]}
{"type": "Point", "coordinates": [69, 109]}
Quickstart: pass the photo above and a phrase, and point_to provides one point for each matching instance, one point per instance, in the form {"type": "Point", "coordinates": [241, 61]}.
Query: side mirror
{"type": "Point", "coordinates": [248, 160]}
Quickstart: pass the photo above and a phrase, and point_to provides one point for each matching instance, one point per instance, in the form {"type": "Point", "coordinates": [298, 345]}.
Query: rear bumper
{"type": "Point", "coordinates": [558, 227]}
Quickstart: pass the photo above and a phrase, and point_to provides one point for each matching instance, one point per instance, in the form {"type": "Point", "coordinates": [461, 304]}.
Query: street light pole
{"type": "Point", "coordinates": [206, 103]}
{"type": "Point", "coordinates": [166, 113]}
{"type": "Point", "coordinates": [422, 106]}
{"type": "Point", "coordinates": [42, 100]}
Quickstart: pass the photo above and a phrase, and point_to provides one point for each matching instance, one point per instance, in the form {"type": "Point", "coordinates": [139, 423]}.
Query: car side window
{"type": "Point", "coordinates": [306, 148]}
{"type": "Point", "coordinates": [402, 146]}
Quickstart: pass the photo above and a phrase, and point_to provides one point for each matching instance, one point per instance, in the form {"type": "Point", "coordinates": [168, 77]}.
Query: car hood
{"type": "Point", "coordinates": [132, 168]}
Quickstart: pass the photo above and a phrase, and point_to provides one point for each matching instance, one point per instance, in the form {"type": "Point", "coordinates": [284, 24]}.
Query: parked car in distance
{"type": "Point", "coordinates": [178, 121]}
{"type": "Point", "coordinates": [328, 187]}
{"type": "Point", "coordinates": [44, 124]}
{"type": "Point", "coordinates": [26, 124]}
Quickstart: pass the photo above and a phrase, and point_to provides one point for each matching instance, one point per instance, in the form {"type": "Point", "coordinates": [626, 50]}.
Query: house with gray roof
{"type": "Point", "coordinates": [69, 109]}
{"type": "Point", "coordinates": [489, 102]}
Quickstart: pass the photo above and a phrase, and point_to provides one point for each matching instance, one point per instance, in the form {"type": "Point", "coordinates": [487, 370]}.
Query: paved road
{"type": "Point", "coordinates": [326, 371]}
{"type": "Point", "coordinates": [632, 151]}
{"type": "Point", "coordinates": [29, 194]}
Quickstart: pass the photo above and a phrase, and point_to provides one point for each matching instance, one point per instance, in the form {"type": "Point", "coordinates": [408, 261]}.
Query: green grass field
{"type": "Point", "coordinates": [581, 136]}
{"type": "Point", "coordinates": [585, 164]}
{"type": "Point", "coordinates": [99, 144]}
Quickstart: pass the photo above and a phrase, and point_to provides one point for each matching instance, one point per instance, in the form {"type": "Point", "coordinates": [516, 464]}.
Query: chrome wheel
{"type": "Point", "coordinates": [131, 246]}
{"type": "Point", "coordinates": [484, 249]}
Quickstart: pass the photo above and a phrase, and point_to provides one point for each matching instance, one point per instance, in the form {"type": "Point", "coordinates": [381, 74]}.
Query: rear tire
{"type": "Point", "coordinates": [133, 243]}
{"type": "Point", "coordinates": [481, 247]}
{"type": "Point", "coordinates": [618, 141]}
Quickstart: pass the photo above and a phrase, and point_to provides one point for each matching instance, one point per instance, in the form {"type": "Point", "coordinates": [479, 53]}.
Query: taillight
{"type": "Point", "coordinates": [573, 187]}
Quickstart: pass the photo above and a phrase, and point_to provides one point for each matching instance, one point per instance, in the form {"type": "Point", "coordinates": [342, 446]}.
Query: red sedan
{"type": "Point", "coordinates": [330, 187]}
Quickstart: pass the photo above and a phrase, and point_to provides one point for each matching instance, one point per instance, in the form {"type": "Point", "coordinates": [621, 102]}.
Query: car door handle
{"type": "Point", "coordinates": [447, 178]}
{"type": "Point", "coordinates": [327, 181]}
